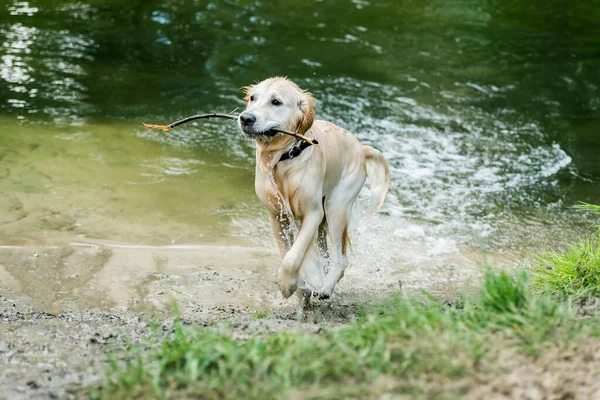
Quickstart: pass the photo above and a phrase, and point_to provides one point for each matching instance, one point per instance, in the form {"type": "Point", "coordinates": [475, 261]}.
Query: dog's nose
{"type": "Point", "coordinates": [247, 118]}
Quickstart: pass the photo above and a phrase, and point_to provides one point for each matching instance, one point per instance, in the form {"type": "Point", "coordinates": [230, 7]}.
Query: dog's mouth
{"type": "Point", "coordinates": [254, 133]}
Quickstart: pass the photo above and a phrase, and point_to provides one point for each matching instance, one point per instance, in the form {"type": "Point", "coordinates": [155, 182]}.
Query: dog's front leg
{"type": "Point", "coordinates": [287, 277]}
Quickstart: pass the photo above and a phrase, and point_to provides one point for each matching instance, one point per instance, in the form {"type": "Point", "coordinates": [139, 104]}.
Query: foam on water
{"type": "Point", "coordinates": [450, 166]}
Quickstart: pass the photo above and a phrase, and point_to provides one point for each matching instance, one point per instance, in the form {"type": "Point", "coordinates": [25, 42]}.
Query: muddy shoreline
{"type": "Point", "coordinates": [64, 307]}
{"type": "Point", "coordinates": [46, 355]}
{"type": "Point", "coordinates": [57, 356]}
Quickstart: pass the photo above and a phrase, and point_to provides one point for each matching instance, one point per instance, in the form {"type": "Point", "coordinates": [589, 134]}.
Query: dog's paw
{"type": "Point", "coordinates": [287, 284]}
{"type": "Point", "coordinates": [322, 295]}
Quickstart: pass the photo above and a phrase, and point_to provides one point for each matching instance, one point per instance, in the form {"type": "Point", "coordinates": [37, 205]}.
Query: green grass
{"type": "Point", "coordinates": [262, 314]}
{"type": "Point", "coordinates": [403, 342]}
{"type": "Point", "coordinates": [573, 272]}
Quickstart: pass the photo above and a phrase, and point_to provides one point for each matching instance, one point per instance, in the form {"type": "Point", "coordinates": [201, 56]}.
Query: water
{"type": "Point", "coordinates": [488, 112]}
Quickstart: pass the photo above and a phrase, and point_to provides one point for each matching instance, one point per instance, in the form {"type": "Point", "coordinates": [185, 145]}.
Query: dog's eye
{"type": "Point", "coordinates": [276, 102]}
{"type": "Point", "coordinates": [251, 98]}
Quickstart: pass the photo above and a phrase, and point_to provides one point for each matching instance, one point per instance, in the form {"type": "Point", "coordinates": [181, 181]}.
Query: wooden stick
{"type": "Point", "coordinates": [172, 125]}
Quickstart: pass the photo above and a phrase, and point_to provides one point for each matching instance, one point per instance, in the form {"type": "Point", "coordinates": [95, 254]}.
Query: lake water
{"type": "Point", "coordinates": [488, 112]}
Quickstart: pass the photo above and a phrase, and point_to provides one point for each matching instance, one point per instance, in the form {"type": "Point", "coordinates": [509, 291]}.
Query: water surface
{"type": "Point", "coordinates": [488, 112]}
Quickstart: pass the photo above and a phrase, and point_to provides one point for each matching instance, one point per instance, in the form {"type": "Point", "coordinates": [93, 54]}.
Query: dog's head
{"type": "Point", "coordinates": [276, 103]}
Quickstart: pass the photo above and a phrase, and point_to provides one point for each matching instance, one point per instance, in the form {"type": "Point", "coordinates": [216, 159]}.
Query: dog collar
{"type": "Point", "coordinates": [295, 150]}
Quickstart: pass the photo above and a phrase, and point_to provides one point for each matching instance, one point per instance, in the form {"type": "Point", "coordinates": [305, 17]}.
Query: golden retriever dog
{"type": "Point", "coordinates": [309, 191]}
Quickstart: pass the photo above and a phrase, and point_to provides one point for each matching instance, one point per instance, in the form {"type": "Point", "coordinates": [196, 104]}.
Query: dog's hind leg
{"type": "Point", "coordinates": [338, 234]}
{"type": "Point", "coordinates": [337, 208]}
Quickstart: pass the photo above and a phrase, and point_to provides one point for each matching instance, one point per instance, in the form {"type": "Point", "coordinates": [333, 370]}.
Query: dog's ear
{"type": "Point", "coordinates": [307, 109]}
{"type": "Point", "coordinates": [247, 90]}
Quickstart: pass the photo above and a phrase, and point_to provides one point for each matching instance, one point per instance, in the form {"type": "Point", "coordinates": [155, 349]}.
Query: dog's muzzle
{"type": "Point", "coordinates": [247, 122]}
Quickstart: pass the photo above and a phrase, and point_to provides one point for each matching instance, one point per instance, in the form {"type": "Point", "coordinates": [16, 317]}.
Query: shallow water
{"type": "Point", "coordinates": [488, 113]}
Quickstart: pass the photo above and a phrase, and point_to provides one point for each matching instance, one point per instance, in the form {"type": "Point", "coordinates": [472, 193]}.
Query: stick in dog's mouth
{"type": "Point", "coordinates": [172, 125]}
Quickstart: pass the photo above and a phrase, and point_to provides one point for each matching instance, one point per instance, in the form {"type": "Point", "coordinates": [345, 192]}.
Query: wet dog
{"type": "Point", "coordinates": [308, 191]}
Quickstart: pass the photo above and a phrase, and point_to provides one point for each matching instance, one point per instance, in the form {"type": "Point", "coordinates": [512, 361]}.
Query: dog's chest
{"type": "Point", "coordinates": [278, 189]}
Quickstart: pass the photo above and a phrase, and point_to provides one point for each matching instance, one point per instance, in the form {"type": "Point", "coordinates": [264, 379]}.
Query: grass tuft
{"type": "Point", "coordinates": [573, 272]}
{"type": "Point", "coordinates": [508, 305]}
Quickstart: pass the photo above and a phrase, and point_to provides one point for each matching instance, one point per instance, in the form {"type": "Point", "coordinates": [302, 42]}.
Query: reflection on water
{"type": "Point", "coordinates": [487, 112]}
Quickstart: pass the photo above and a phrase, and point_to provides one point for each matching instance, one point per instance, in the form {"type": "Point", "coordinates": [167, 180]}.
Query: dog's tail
{"type": "Point", "coordinates": [378, 172]}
